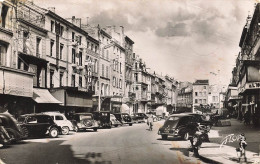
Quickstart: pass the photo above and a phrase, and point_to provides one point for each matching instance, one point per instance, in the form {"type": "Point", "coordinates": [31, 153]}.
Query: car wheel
{"type": "Point", "coordinates": [186, 136]}
{"type": "Point", "coordinates": [65, 130]}
{"type": "Point", "coordinates": [95, 129]}
{"type": "Point", "coordinates": [164, 137]}
{"type": "Point", "coordinates": [130, 124]}
{"type": "Point", "coordinates": [54, 132]}
{"type": "Point", "coordinates": [116, 125]}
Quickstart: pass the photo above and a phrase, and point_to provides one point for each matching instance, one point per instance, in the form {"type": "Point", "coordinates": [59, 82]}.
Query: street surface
{"type": "Point", "coordinates": [127, 144]}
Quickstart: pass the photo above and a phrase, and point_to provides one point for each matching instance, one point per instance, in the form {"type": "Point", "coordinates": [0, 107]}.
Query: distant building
{"type": "Point", "coordinates": [185, 97]}
{"type": "Point", "coordinates": [200, 93]}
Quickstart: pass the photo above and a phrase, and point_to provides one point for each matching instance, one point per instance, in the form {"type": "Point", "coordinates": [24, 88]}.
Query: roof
{"type": "Point", "coordinates": [200, 82]}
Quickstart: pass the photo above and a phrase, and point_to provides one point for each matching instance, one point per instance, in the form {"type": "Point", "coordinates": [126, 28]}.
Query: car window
{"type": "Point", "coordinates": [173, 118]}
{"type": "Point", "coordinates": [31, 120]}
{"type": "Point", "coordinates": [85, 117]}
{"type": "Point", "coordinates": [44, 119]}
{"type": "Point", "coordinates": [59, 118]}
{"type": "Point", "coordinates": [184, 120]}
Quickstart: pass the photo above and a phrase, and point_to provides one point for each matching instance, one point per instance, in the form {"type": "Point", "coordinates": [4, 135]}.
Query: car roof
{"type": "Point", "coordinates": [34, 114]}
{"type": "Point", "coordinates": [179, 115]}
{"type": "Point", "coordinates": [83, 114]}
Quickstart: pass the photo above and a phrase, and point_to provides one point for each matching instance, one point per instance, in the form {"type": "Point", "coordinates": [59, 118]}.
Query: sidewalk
{"type": "Point", "coordinates": [225, 154]}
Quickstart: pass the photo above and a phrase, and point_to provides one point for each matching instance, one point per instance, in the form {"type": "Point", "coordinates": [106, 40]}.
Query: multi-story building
{"type": "Point", "coordinates": [214, 100]}
{"type": "Point", "coordinates": [246, 74]}
{"type": "Point", "coordinates": [200, 93]}
{"type": "Point", "coordinates": [16, 85]}
{"type": "Point", "coordinates": [142, 86]}
{"type": "Point", "coordinates": [171, 88]}
{"type": "Point", "coordinates": [184, 98]}
{"type": "Point", "coordinates": [69, 49]}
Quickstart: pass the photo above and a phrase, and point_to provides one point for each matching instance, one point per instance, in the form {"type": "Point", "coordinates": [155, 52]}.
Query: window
{"type": "Point", "coordinates": [88, 45]}
{"type": "Point", "coordinates": [51, 47]}
{"type": "Point", "coordinates": [4, 14]}
{"type": "Point", "coordinates": [61, 79]}
{"type": "Point", "coordinates": [80, 58]}
{"type": "Point", "coordinates": [73, 36]}
{"type": "Point", "coordinates": [79, 40]}
{"type": "Point", "coordinates": [61, 30]}
{"type": "Point", "coordinates": [107, 71]}
{"type": "Point", "coordinates": [204, 101]}
{"type": "Point", "coordinates": [73, 82]}
{"type": "Point", "coordinates": [103, 55]}
{"type": "Point", "coordinates": [120, 83]}
{"type": "Point", "coordinates": [2, 54]}
{"type": "Point", "coordinates": [73, 56]}
{"type": "Point", "coordinates": [38, 42]}
{"type": "Point", "coordinates": [205, 87]}
{"type": "Point", "coordinates": [58, 118]}
{"type": "Point", "coordinates": [95, 48]}
{"type": "Point", "coordinates": [92, 46]}
{"type": "Point", "coordinates": [120, 67]}
{"type": "Point", "coordinates": [52, 26]}
{"type": "Point", "coordinates": [196, 93]}
{"type": "Point", "coordinates": [80, 81]}
{"type": "Point", "coordinates": [103, 69]}
{"type": "Point", "coordinates": [61, 50]}
{"type": "Point", "coordinates": [51, 78]}
{"type": "Point", "coordinates": [114, 81]}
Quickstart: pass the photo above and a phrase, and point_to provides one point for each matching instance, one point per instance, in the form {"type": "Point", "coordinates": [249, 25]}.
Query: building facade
{"type": "Point", "coordinates": [200, 93]}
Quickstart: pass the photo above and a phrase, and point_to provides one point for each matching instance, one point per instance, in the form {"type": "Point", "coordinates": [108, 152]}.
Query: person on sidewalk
{"type": "Point", "coordinates": [242, 147]}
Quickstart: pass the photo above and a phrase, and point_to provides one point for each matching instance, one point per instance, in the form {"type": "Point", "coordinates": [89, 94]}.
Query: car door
{"type": "Point", "coordinates": [31, 124]}
{"type": "Point", "coordinates": [44, 122]}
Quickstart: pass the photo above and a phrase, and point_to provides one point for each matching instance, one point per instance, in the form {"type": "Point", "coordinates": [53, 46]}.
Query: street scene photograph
{"type": "Point", "coordinates": [129, 82]}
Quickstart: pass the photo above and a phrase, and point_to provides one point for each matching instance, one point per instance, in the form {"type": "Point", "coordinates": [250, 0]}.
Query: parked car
{"type": "Point", "coordinates": [84, 121]}
{"type": "Point", "coordinates": [113, 121]}
{"type": "Point", "coordinates": [138, 117]}
{"type": "Point", "coordinates": [124, 118]}
{"type": "Point", "coordinates": [102, 118]}
{"type": "Point", "coordinates": [12, 127]}
{"type": "Point", "coordinates": [39, 125]}
{"type": "Point", "coordinates": [61, 120]}
{"type": "Point", "coordinates": [178, 125]}
{"type": "Point", "coordinates": [200, 118]}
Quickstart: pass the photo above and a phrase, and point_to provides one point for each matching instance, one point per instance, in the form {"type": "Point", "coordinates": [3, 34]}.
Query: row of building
{"type": "Point", "coordinates": [192, 96]}
{"type": "Point", "coordinates": [243, 94]}
{"type": "Point", "coordinates": [51, 63]}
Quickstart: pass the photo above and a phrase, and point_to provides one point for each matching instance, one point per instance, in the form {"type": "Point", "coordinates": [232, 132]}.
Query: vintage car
{"type": "Point", "coordinates": [113, 121]}
{"type": "Point", "coordinates": [102, 118]}
{"type": "Point", "coordinates": [178, 125]}
{"type": "Point", "coordinates": [38, 125]}
{"type": "Point", "coordinates": [139, 117]}
{"type": "Point", "coordinates": [84, 121]}
{"type": "Point", "coordinates": [200, 118]}
{"type": "Point", "coordinates": [12, 127]}
{"type": "Point", "coordinates": [124, 118]}
{"type": "Point", "coordinates": [61, 120]}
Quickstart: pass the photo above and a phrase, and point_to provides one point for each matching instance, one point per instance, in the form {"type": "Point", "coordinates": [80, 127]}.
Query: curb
{"type": "Point", "coordinates": [208, 160]}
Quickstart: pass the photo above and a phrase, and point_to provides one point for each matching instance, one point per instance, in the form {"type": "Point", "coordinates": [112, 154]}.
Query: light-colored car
{"type": "Point", "coordinates": [61, 120]}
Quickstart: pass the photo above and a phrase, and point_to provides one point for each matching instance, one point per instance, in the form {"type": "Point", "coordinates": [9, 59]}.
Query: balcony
{"type": "Point", "coordinates": [16, 82]}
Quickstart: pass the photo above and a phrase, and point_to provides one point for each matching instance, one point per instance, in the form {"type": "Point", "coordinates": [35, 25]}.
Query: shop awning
{"type": "Point", "coordinates": [43, 96]}
{"type": "Point", "coordinates": [125, 108]}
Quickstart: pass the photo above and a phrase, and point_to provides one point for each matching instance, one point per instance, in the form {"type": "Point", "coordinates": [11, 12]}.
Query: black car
{"type": "Point", "coordinates": [12, 127]}
{"type": "Point", "coordinates": [139, 117]}
{"type": "Point", "coordinates": [84, 121]}
{"type": "Point", "coordinates": [39, 125]}
{"type": "Point", "coordinates": [178, 125]}
{"type": "Point", "coordinates": [105, 119]}
{"type": "Point", "coordinates": [200, 118]}
{"type": "Point", "coordinates": [124, 118]}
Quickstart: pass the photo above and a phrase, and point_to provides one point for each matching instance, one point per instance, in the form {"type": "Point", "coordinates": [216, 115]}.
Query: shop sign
{"type": "Point", "coordinates": [252, 85]}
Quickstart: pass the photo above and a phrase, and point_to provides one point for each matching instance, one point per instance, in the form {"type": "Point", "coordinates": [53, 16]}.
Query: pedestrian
{"type": "Point", "coordinates": [150, 121]}
{"type": "Point", "coordinates": [242, 147]}
{"type": "Point", "coordinates": [247, 118]}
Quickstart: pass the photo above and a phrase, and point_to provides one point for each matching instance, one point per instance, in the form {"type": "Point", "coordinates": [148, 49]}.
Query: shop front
{"type": "Point", "coordinates": [249, 89]}
{"type": "Point", "coordinates": [73, 100]}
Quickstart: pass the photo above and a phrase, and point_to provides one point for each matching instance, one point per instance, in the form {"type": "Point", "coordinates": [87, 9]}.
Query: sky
{"type": "Point", "coordinates": [185, 39]}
